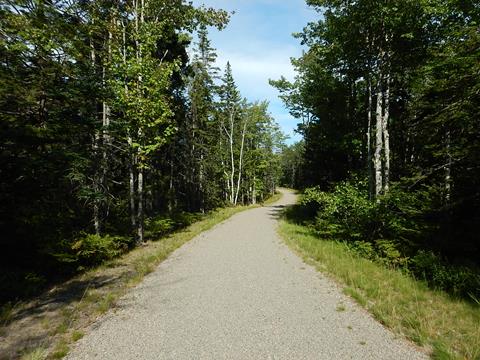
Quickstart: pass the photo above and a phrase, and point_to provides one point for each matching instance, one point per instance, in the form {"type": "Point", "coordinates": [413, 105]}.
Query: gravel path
{"type": "Point", "coordinates": [237, 292]}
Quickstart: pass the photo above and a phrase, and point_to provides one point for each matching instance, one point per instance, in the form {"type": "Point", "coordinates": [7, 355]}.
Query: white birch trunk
{"type": "Point", "coordinates": [448, 169]}
{"type": "Point", "coordinates": [140, 179]}
{"type": "Point", "coordinates": [140, 215]}
{"type": "Point", "coordinates": [170, 189]}
{"type": "Point", "coordinates": [131, 171]}
{"type": "Point", "coordinates": [132, 158]}
{"type": "Point", "coordinates": [369, 141]}
{"type": "Point", "coordinates": [200, 185]}
{"type": "Point", "coordinates": [377, 161]}
{"type": "Point", "coordinates": [239, 180]}
{"type": "Point", "coordinates": [254, 190]}
{"type": "Point", "coordinates": [232, 159]}
{"type": "Point", "coordinates": [386, 136]}
{"type": "Point", "coordinates": [96, 142]}
{"type": "Point", "coordinates": [106, 110]}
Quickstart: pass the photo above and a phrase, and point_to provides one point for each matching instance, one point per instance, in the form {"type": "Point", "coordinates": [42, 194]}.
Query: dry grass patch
{"type": "Point", "coordinates": [446, 327]}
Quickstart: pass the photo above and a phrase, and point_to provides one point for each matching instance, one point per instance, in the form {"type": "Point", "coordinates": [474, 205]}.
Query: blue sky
{"type": "Point", "coordinates": [258, 43]}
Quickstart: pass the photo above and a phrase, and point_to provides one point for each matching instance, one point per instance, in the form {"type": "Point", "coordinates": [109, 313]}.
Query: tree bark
{"type": "Point", "coordinates": [232, 158]}
{"type": "Point", "coordinates": [96, 146]}
{"type": "Point", "coordinates": [131, 171]}
{"type": "Point", "coordinates": [201, 185]}
{"type": "Point", "coordinates": [386, 136]}
{"type": "Point", "coordinates": [378, 143]}
{"type": "Point", "coordinates": [140, 214]}
{"type": "Point", "coordinates": [369, 141]}
{"type": "Point", "coordinates": [240, 160]}
{"type": "Point", "coordinates": [254, 190]}
{"type": "Point", "coordinates": [170, 189]}
{"type": "Point", "coordinates": [448, 169]}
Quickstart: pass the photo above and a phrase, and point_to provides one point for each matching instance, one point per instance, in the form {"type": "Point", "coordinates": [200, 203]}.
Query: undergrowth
{"type": "Point", "coordinates": [396, 230]}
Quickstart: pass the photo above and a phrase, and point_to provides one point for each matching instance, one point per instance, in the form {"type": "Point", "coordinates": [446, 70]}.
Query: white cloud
{"type": "Point", "coordinates": [260, 66]}
{"type": "Point", "coordinates": [252, 72]}
{"type": "Point", "coordinates": [259, 45]}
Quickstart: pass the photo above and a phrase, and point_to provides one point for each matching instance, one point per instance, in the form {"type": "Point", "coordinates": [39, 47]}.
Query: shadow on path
{"type": "Point", "coordinates": [276, 211]}
{"type": "Point", "coordinates": [34, 324]}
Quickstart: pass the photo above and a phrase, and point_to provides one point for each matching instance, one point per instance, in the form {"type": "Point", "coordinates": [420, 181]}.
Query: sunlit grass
{"type": "Point", "coordinates": [35, 354]}
{"type": "Point", "coordinates": [273, 199]}
{"type": "Point", "coordinates": [446, 327]}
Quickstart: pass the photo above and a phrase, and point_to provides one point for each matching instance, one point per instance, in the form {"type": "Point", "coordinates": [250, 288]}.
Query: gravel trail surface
{"type": "Point", "coordinates": [237, 292]}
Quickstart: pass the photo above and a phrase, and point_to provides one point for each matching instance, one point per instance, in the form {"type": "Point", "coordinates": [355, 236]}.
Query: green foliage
{"type": "Point", "coordinates": [421, 56]}
{"type": "Point", "coordinates": [21, 283]}
{"type": "Point", "coordinates": [314, 198]}
{"type": "Point", "coordinates": [388, 251]}
{"type": "Point", "coordinates": [160, 226]}
{"type": "Point", "coordinates": [393, 230]}
{"type": "Point", "coordinates": [458, 280]}
{"type": "Point", "coordinates": [292, 165]}
{"type": "Point", "coordinates": [6, 313]}
{"type": "Point", "coordinates": [107, 125]}
{"type": "Point", "coordinates": [345, 212]}
{"type": "Point", "coordinates": [155, 227]}
{"type": "Point", "coordinates": [93, 249]}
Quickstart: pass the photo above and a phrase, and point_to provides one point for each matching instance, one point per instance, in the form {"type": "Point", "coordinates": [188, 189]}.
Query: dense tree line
{"type": "Point", "coordinates": [388, 94]}
{"type": "Point", "coordinates": [107, 123]}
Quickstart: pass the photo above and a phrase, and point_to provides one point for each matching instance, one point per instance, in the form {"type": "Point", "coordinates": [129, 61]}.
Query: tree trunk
{"type": "Point", "coordinates": [131, 171]}
{"type": "Point", "coordinates": [254, 191]}
{"type": "Point", "coordinates": [369, 141]}
{"type": "Point", "coordinates": [386, 136]}
{"type": "Point", "coordinates": [106, 116]}
{"type": "Point", "coordinates": [200, 185]}
{"type": "Point", "coordinates": [232, 160]}
{"type": "Point", "coordinates": [239, 180]}
{"type": "Point", "coordinates": [96, 145]}
{"type": "Point", "coordinates": [448, 169]}
{"type": "Point", "coordinates": [171, 194]}
{"type": "Point", "coordinates": [377, 162]}
{"type": "Point", "coordinates": [140, 214]}
{"type": "Point", "coordinates": [96, 217]}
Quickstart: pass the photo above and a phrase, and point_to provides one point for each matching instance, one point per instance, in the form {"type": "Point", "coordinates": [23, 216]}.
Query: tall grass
{"type": "Point", "coordinates": [447, 327]}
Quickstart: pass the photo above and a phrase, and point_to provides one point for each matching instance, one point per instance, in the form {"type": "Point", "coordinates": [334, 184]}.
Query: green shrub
{"type": "Point", "coordinates": [458, 280]}
{"type": "Point", "coordinates": [184, 219]}
{"type": "Point", "coordinates": [92, 249]}
{"type": "Point", "coordinates": [393, 230]}
{"type": "Point", "coordinates": [157, 227]}
{"type": "Point", "coordinates": [20, 283]}
{"type": "Point", "coordinates": [383, 251]}
{"type": "Point", "coordinates": [389, 253]}
{"type": "Point", "coordinates": [313, 200]}
{"type": "Point", "coordinates": [162, 225]}
{"type": "Point", "coordinates": [402, 215]}
{"type": "Point", "coordinates": [364, 249]}
{"type": "Point", "coordinates": [345, 213]}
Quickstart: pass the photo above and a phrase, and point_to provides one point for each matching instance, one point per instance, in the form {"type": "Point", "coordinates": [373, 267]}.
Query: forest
{"type": "Point", "coordinates": [117, 127]}
{"type": "Point", "coordinates": [388, 98]}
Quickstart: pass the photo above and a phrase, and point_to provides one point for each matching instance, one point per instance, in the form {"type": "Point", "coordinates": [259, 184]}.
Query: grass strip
{"type": "Point", "coordinates": [446, 327]}
{"type": "Point", "coordinates": [273, 199]}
